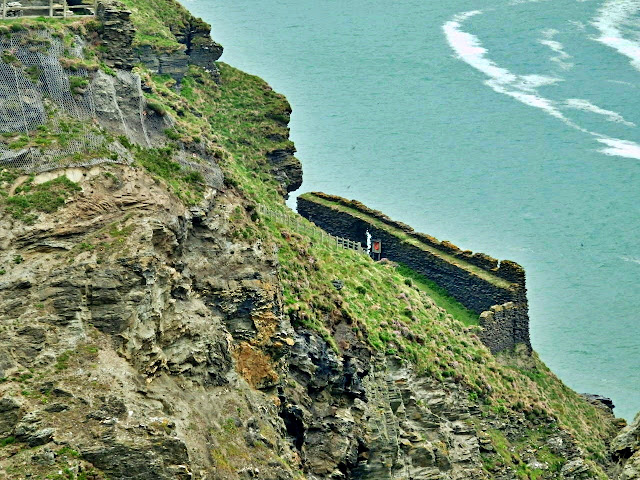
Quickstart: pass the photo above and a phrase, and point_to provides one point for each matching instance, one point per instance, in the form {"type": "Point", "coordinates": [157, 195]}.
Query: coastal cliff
{"type": "Point", "coordinates": [164, 315]}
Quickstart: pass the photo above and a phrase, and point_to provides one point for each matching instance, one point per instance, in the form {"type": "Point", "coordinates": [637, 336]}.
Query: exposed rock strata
{"type": "Point", "coordinates": [117, 34]}
{"type": "Point", "coordinates": [177, 326]}
{"type": "Point", "coordinates": [194, 36]}
{"type": "Point", "coordinates": [286, 168]}
{"type": "Point", "coordinates": [626, 450]}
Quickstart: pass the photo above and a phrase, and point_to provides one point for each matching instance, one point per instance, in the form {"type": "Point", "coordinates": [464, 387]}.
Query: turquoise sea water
{"type": "Point", "coordinates": [509, 127]}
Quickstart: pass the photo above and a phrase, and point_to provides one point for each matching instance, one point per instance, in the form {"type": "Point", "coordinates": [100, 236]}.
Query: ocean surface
{"type": "Point", "coordinates": [509, 127]}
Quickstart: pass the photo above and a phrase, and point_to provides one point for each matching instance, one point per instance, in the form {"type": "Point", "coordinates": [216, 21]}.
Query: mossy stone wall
{"type": "Point", "coordinates": [505, 319]}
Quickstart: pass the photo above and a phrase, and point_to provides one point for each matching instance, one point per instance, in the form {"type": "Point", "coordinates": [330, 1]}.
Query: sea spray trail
{"type": "Point", "coordinates": [587, 106]}
{"type": "Point", "coordinates": [631, 259]}
{"type": "Point", "coordinates": [524, 87]}
{"type": "Point", "coordinates": [612, 14]}
{"type": "Point", "coordinates": [562, 56]}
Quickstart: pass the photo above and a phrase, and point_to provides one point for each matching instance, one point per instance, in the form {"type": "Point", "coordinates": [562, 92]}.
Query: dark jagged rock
{"type": "Point", "coordinates": [599, 401]}
{"type": "Point", "coordinates": [286, 168]}
{"type": "Point", "coordinates": [627, 443]}
{"type": "Point", "coordinates": [200, 47]}
{"type": "Point", "coordinates": [117, 34]}
{"type": "Point", "coordinates": [9, 415]}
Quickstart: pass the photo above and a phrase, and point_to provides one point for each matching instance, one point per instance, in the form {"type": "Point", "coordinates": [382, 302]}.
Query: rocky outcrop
{"type": "Point", "coordinates": [625, 449]}
{"type": "Point", "coordinates": [173, 63]}
{"type": "Point", "coordinates": [199, 46]}
{"type": "Point", "coordinates": [286, 168]}
{"type": "Point", "coordinates": [599, 401]}
{"type": "Point", "coordinates": [193, 35]}
{"type": "Point", "coordinates": [117, 34]}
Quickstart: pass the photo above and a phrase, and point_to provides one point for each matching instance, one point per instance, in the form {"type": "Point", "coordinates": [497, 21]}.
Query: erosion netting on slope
{"type": "Point", "coordinates": [56, 113]}
{"type": "Point", "coordinates": [47, 113]}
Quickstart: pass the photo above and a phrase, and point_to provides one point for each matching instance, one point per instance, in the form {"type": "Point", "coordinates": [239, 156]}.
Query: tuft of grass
{"type": "Point", "coordinates": [78, 84]}
{"type": "Point", "coordinates": [7, 441]}
{"type": "Point", "coordinates": [46, 197]}
{"type": "Point", "coordinates": [10, 59]}
{"type": "Point", "coordinates": [156, 21]}
{"type": "Point", "coordinates": [439, 295]}
{"type": "Point", "coordinates": [62, 362]}
{"type": "Point", "coordinates": [187, 184]}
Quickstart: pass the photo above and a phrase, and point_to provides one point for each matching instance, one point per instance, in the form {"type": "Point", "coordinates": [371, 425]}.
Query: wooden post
{"type": "Point", "coordinates": [95, 7]}
{"type": "Point", "coordinates": [64, 8]}
{"type": "Point", "coordinates": [4, 9]}
{"type": "Point", "coordinates": [51, 8]}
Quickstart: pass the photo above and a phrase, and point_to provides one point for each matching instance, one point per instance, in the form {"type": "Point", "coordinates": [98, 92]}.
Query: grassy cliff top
{"type": "Point", "coordinates": [158, 21]}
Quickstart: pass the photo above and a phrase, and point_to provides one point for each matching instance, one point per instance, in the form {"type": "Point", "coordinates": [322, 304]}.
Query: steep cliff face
{"type": "Point", "coordinates": [121, 308]}
{"type": "Point", "coordinates": [146, 340]}
{"type": "Point", "coordinates": [166, 47]}
{"type": "Point", "coordinates": [157, 322]}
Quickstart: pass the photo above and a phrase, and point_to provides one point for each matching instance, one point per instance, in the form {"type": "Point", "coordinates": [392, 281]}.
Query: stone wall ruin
{"type": "Point", "coordinates": [493, 289]}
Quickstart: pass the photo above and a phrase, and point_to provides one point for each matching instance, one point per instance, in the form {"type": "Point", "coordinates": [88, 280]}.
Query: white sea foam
{"type": "Point", "coordinates": [620, 148]}
{"type": "Point", "coordinates": [523, 88]}
{"type": "Point", "coordinates": [620, 82]}
{"type": "Point", "coordinates": [587, 106]}
{"type": "Point", "coordinates": [610, 16]}
{"type": "Point", "coordinates": [470, 50]}
{"type": "Point", "coordinates": [631, 259]}
{"type": "Point", "coordinates": [557, 47]}
{"type": "Point", "coordinates": [531, 82]}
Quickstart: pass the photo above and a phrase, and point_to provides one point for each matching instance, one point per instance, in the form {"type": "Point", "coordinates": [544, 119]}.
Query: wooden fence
{"type": "Point", "coordinates": [59, 9]}
{"type": "Point", "coordinates": [316, 233]}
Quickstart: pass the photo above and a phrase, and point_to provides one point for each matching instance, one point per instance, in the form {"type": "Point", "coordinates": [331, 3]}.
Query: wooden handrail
{"type": "Point", "coordinates": [63, 8]}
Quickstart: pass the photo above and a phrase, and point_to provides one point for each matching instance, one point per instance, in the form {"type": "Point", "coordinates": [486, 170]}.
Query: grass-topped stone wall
{"type": "Point", "coordinates": [495, 290]}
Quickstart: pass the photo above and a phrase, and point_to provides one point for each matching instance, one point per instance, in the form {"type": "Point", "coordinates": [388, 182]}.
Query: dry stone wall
{"type": "Point", "coordinates": [497, 293]}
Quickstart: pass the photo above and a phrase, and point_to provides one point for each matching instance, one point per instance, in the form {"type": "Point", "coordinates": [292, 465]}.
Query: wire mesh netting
{"type": "Point", "coordinates": [47, 113]}
{"type": "Point", "coordinates": [55, 113]}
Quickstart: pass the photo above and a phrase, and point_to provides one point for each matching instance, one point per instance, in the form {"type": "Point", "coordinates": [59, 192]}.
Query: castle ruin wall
{"type": "Point", "coordinates": [501, 305]}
